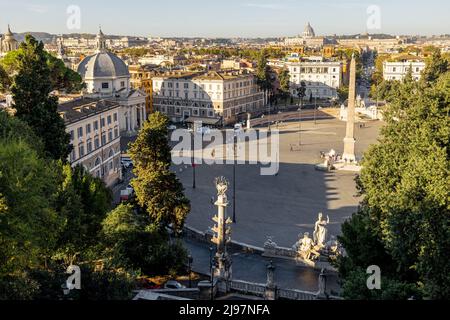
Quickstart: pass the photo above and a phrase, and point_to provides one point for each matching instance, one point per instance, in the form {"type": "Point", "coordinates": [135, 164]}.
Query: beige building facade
{"type": "Point", "coordinates": [93, 125]}
{"type": "Point", "coordinates": [223, 95]}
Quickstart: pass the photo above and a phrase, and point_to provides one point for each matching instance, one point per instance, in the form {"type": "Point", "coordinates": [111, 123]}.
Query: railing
{"type": "Point", "coordinates": [292, 294]}
{"type": "Point", "coordinates": [248, 287]}
{"type": "Point", "coordinates": [259, 289]}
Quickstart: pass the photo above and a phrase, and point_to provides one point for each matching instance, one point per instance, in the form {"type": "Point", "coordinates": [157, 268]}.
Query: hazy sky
{"type": "Point", "coordinates": [227, 18]}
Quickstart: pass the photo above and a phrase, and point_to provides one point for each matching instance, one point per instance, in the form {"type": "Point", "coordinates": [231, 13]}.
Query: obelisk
{"type": "Point", "coordinates": [349, 140]}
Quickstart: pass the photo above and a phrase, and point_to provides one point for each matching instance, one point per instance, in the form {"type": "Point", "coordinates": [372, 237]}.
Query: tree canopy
{"type": "Point", "coordinates": [32, 100]}
{"type": "Point", "coordinates": [403, 225]}
{"type": "Point", "coordinates": [157, 188]}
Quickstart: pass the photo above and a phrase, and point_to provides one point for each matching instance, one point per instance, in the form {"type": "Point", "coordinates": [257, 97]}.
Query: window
{"type": "Point", "coordinates": [110, 135]}
{"type": "Point", "coordinates": [105, 85]}
{"type": "Point", "coordinates": [102, 122]}
{"type": "Point", "coordinates": [96, 142]}
{"type": "Point", "coordinates": [122, 84]}
{"type": "Point", "coordinates": [115, 117]}
{"type": "Point", "coordinates": [109, 120]}
{"type": "Point", "coordinates": [95, 125]}
{"type": "Point", "coordinates": [116, 132]}
{"type": "Point", "coordinates": [71, 135]}
{"type": "Point", "coordinates": [81, 150]}
{"type": "Point", "coordinates": [88, 128]}
{"type": "Point", "coordinates": [186, 95]}
{"type": "Point", "coordinates": [186, 85]}
{"type": "Point", "coordinates": [80, 132]}
{"type": "Point", "coordinates": [89, 146]}
{"type": "Point", "coordinates": [103, 139]}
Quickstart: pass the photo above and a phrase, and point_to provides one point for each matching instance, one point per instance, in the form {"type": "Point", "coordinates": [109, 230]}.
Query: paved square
{"type": "Point", "coordinates": [285, 205]}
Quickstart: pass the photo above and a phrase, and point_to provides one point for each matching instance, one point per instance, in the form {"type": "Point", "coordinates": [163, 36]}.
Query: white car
{"type": "Point", "coordinates": [172, 127]}
{"type": "Point", "coordinates": [204, 130]}
{"type": "Point", "coordinates": [126, 162]}
{"type": "Point", "coordinates": [172, 284]}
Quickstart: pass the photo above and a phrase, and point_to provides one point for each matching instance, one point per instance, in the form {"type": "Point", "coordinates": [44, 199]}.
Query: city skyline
{"type": "Point", "coordinates": [246, 19]}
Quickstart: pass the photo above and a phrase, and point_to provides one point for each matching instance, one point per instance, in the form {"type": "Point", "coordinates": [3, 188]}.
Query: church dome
{"type": "Point", "coordinates": [309, 31]}
{"type": "Point", "coordinates": [103, 64]}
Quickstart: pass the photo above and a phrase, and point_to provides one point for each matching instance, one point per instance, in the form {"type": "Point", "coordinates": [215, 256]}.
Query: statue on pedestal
{"type": "Point", "coordinates": [320, 231]}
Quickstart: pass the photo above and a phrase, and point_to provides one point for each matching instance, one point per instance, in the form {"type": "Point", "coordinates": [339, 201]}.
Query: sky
{"type": "Point", "coordinates": [226, 18]}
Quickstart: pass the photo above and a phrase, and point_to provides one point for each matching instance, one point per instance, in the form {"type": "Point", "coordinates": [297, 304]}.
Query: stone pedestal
{"type": "Point", "coordinates": [349, 150]}
{"type": "Point", "coordinates": [271, 289]}
{"type": "Point", "coordinates": [205, 288]}
{"type": "Point", "coordinates": [322, 293]}
{"type": "Point", "coordinates": [222, 236]}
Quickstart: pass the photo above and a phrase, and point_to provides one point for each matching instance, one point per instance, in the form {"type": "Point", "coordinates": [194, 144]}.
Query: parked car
{"type": "Point", "coordinates": [147, 284]}
{"type": "Point", "coordinates": [172, 284]}
{"type": "Point", "coordinates": [203, 130]}
{"type": "Point", "coordinates": [126, 162]}
{"type": "Point", "coordinates": [172, 127]}
{"type": "Point", "coordinates": [126, 193]}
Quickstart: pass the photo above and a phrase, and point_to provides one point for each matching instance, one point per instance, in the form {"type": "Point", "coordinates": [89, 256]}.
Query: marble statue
{"type": "Point", "coordinates": [306, 247]}
{"type": "Point", "coordinates": [320, 230]}
{"type": "Point", "coordinates": [221, 186]}
{"type": "Point", "coordinates": [270, 244]}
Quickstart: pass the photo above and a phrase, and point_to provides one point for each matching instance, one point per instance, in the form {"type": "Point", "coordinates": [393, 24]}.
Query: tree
{"type": "Point", "coordinates": [61, 77]}
{"type": "Point", "coordinates": [301, 93]}
{"type": "Point", "coordinates": [405, 183]}
{"type": "Point", "coordinates": [4, 80]}
{"type": "Point", "coordinates": [27, 186]}
{"type": "Point", "coordinates": [263, 72]}
{"type": "Point", "coordinates": [435, 66]}
{"type": "Point", "coordinates": [83, 201]}
{"type": "Point", "coordinates": [31, 93]}
{"type": "Point", "coordinates": [132, 243]}
{"type": "Point", "coordinates": [284, 78]}
{"type": "Point", "coordinates": [157, 188]}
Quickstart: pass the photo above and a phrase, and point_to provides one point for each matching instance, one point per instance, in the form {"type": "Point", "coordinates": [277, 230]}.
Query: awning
{"type": "Point", "coordinates": [204, 121]}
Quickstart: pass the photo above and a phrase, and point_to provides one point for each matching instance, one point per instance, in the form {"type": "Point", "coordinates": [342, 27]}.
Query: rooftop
{"type": "Point", "coordinates": [84, 107]}
{"type": "Point", "coordinates": [210, 75]}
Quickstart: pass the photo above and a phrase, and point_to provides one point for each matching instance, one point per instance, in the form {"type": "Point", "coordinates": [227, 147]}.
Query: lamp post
{"type": "Point", "coordinates": [301, 94]}
{"type": "Point", "coordinates": [234, 178]}
{"type": "Point", "coordinates": [211, 267]}
{"type": "Point", "coordinates": [193, 161]}
{"type": "Point", "coordinates": [268, 114]}
{"type": "Point", "coordinates": [315, 109]}
{"type": "Point", "coordinates": [190, 260]}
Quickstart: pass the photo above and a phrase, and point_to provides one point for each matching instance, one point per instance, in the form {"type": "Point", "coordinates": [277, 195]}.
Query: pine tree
{"type": "Point", "coordinates": [158, 190]}
{"type": "Point", "coordinates": [31, 90]}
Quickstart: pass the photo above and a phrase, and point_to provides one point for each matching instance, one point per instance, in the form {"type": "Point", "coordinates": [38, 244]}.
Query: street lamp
{"type": "Point", "coordinates": [234, 178]}
{"type": "Point", "coordinates": [211, 267]}
{"type": "Point", "coordinates": [268, 114]}
{"type": "Point", "coordinates": [193, 161]}
{"type": "Point", "coordinates": [315, 107]}
{"type": "Point", "coordinates": [190, 260]}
